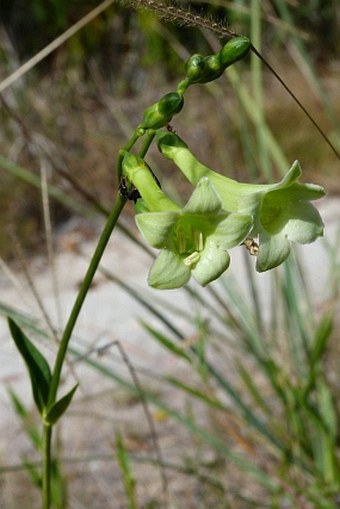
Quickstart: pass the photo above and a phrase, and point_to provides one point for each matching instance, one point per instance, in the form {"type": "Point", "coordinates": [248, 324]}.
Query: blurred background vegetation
{"type": "Point", "coordinates": [62, 124]}
{"type": "Point", "coordinates": [78, 106]}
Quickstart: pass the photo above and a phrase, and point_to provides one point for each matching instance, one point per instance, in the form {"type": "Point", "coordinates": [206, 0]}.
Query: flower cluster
{"type": "Point", "coordinates": [220, 214]}
{"type": "Point", "coordinates": [281, 213]}
{"type": "Point", "coordinates": [194, 239]}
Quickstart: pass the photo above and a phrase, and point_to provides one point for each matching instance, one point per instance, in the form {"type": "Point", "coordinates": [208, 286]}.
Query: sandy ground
{"type": "Point", "coordinates": [109, 314]}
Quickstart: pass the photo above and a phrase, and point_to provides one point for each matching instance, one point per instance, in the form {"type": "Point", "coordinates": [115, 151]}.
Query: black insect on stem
{"type": "Point", "coordinates": [128, 190]}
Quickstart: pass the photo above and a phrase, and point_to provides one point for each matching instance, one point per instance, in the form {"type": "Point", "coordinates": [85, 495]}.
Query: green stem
{"type": "Point", "coordinates": [102, 243]}
{"type": "Point", "coordinates": [91, 271]}
{"type": "Point", "coordinates": [46, 472]}
{"type": "Point", "coordinates": [147, 142]}
{"type": "Point", "coordinates": [92, 268]}
{"type": "Point", "coordinates": [150, 134]}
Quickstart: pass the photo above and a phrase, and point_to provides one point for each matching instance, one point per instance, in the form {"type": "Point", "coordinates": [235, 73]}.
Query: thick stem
{"type": "Point", "coordinates": [102, 243]}
{"type": "Point", "coordinates": [46, 472]}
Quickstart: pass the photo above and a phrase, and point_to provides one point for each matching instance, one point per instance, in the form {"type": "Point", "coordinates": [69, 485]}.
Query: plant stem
{"type": "Point", "coordinates": [63, 345]}
{"type": "Point", "coordinates": [102, 243]}
{"type": "Point", "coordinates": [92, 268]}
{"type": "Point", "coordinates": [147, 142]}
{"type": "Point", "coordinates": [46, 472]}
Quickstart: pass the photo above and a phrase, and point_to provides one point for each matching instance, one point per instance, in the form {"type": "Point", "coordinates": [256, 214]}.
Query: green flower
{"type": "Point", "coordinates": [193, 240]}
{"type": "Point", "coordinates": [281, 212]}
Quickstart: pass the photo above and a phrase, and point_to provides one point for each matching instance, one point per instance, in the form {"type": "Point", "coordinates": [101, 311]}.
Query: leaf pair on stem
{"type": "Point", "coordinates": [40, 376]}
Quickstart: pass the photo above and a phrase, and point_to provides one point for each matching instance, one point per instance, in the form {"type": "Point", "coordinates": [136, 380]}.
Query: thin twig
{"type": "Point", "coordinates": [49, 237]}
{"type": "Point", "coordinates": [27, 66]}
{"type": "Point", "coordinates": [298, 102]}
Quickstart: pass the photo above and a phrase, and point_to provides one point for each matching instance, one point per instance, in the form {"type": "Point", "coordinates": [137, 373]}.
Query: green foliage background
{"type": "Point", "coordinates": [72, 113]}
{"type": "Point", "coordinates": [123, 57]}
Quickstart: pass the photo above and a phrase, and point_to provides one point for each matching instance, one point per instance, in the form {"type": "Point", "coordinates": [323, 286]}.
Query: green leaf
{"type": "Point", "coordinates": [196, 393]}
{"type": "Point", "coordinates": [56, 410]}
{"type": "Point", "coordinates": [34, 472]}
{"type": "Point", "coordinates": [38, 368]}
{"type": "Point", "coordinates": [322, 336]}
{"type": "Point", "coordinates": [253, 390]}
{"type": "Point", "coordinates": [31, 429]}
{"type": "Point", "coordinates": [128, 477]}
{"type": "Point", "coordinates": [167, 343]}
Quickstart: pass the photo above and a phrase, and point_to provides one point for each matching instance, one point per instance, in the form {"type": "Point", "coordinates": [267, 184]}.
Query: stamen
{"type": "Point", "coordinates": [192, 259]}
{"type": "Point", "coordinates": [181, 240]}
{"type": "Point", "coordinates": [199, 241]}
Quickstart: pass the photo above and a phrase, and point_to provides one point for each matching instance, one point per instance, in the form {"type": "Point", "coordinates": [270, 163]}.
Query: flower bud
{"type": "Point", "coordinates": [152, 118]}
{"type": "Point", "coordinates": [214, 68]}
{"type": "Point", "coordinates": [195, 68]}
{"type": "Point", "coordinates": [170, 104]}
{"type": "Point", "coordinates": [201, 69]}
{"type": "Point", "coordinates": [161, 113]}
{"type": "Point", "coordinates": [234, 50]}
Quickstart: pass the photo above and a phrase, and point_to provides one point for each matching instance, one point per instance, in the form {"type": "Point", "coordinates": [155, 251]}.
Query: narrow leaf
{"type": "Point", "coordinates": [39, 370]}
{"type": "Point", "coordinates": [322, 336]}
{"type": "Point", "coordinates": [193, 391]}
{"type": "Point", "coordinates": [56, 410]}
{"type": "Point", "coordinates": [128, 477]}
{"type": "Point", "coordinates": [32, 431]}
{"type": "Point", "coordinates": [34, 472]}
{"type": "Point", "coordinates": [253, 390]}
{"type": "Point", "coordinates": [167, 343]}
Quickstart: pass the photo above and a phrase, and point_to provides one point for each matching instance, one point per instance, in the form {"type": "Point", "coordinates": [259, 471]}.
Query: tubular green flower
{"type": "Point", "coordinates": [193, 240]}
{"type": "Point", "coordinates": [140, 175]}
{"type": "Point", "coordinates": [282, 212]}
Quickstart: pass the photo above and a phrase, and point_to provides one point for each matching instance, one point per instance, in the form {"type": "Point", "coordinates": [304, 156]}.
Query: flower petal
{"type": "Point", "coordinates": [274, 249]}
{"type": "Point", "coordinates": [291, 176]}
{"type": "Point", "coordinates": [282, 208]}
{"type": "Point", "coordinates": [204, 199]}
{"type": "Point", "coordinates": [168, 271]}
{"type": "Point", "coordinates": [213, 262]}
{"type": "Point", "coordinates": [155, 226]}
{"type": "Point", "coordinates": [305, 224]}
{"type": "Point", "coordinates": [232, 230]}
{"type": "Point", "coordinates": [304, 192]}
